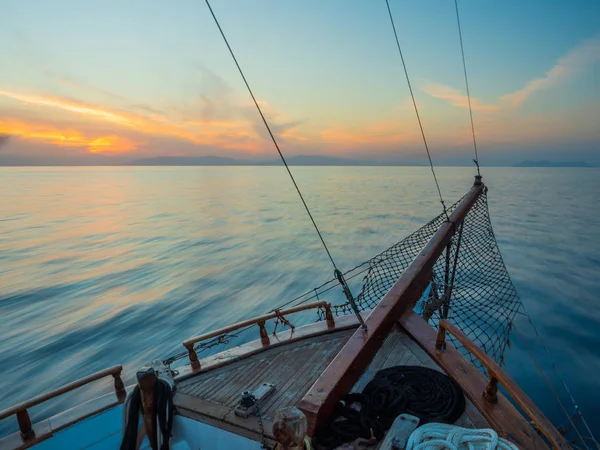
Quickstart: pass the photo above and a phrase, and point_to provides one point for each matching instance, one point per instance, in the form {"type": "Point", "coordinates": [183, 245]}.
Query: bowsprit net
{"type": "Point", "coordinates": [470, 285]}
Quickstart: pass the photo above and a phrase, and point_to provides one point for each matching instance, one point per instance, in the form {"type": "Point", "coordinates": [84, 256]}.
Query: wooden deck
{"type": "Point", "coordinates": [292, 368]}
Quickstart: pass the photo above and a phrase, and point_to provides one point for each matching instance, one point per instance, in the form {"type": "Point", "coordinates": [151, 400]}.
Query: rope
{"type": "Point", "coordinates": [412, 95]}
{"type": "Point", "coordinates": [262, 116]}
{"type": "Point", "coordinates": [438, 436]}
{"type": "Point", "coordinates": [281, 318]}
{"type": "Point", "coordinates": [422, 392]}
{"type": "Point", "coordinates": [462, 50]}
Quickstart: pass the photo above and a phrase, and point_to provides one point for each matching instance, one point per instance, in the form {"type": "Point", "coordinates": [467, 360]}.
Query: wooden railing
{"type": "Point", "coordinates": [20, 410]}
{"type": "Point", "coordinates": [260, 321]}
{"type": "Point", "coordinates": [497, 375]}
{"type": "Point", "coordinates": [346, 368]}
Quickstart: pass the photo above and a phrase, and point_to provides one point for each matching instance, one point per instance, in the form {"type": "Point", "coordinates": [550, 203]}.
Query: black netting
{"type": "Point", "coordinates": [473, 290]}
{"type": "Point", "coordinates": [482, 299]}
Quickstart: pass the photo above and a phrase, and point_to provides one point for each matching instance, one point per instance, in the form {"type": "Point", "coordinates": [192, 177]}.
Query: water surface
{"type": "Point", "coordinates": [100, 266]}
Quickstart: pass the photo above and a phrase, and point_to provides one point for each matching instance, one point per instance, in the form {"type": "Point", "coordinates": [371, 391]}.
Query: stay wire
{"type": "Point", "coordinates": [338, 273]}
{"type": "Point", "coordinates": [562, 381]}
{"type": "Point", "coordinates": [271, 134]}
{"type": "Point", "coordinates": [412, 95]}
{"type": "Point", "coordinates": [462, 50]}
{"type": "Point", "coordinates": [547, 381]}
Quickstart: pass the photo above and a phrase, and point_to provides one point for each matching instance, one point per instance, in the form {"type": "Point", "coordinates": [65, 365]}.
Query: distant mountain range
{"type": "Point", "coordinates": [546, 163]}
{"type": "Point", "coordinates": [186, 161]}
{"type": "Point", "coordinates": [299, 160]}
{"type": "Point", "coordinates": [312, 160]}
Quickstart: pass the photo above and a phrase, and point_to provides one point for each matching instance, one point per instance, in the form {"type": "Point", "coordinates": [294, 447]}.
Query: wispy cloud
{"type": "Point", "coordinates": [224, 124]}
{"type": "Point", "coordinates": [575, 61]}
{"type": "Point", "coordinates": [457, 98]}
{"type": "Point", "coordinates": [68, 105]}
{"type": "Point", "coordinates": [87, 89]}
{"type": "Point", "coordinates": [383, 134]}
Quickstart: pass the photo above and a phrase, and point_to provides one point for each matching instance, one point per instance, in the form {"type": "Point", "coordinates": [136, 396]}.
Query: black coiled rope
{"type": "Point", "coordinates": [422, 392]}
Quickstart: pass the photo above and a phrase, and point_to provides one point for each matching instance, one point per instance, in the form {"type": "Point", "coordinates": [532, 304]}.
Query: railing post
{"type": "Point", "coordinates": [440, 342]}
{"type": "Point", "coordinates": [25, 428]}
{"type": "Point", "coordinates": [119, 387]}
{"type": "Point", "coordinates": [329, 316]}
{"type": "Point", "coordinates": [491, 391]}
{"type": "Point", "coordinates": [264, 336]}
{"type": "Point", "coordinates": [193, 356]}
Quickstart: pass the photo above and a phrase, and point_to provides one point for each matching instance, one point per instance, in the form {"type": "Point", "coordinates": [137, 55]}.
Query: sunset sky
{"type": "Point", "coordinates": [118, 80]}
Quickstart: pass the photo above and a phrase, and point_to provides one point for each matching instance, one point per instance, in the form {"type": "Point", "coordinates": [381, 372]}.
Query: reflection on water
{"type": "Point", "coordinates": [100, 266]}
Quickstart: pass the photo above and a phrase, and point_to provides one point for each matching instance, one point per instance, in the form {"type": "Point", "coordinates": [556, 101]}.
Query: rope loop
{"type": "Point", "coordinates": [281, 319]}
{"type": "Point", "coordinates": [440, 436]}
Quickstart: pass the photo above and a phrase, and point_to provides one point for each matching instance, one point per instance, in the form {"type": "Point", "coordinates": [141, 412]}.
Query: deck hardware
{"type": "Point", "coordinates": [400, 431]}
{"type": "Point", "coordinates": [249, 400]}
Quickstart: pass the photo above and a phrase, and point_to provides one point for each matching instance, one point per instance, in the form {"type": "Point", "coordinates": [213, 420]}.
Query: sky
{"type": "Point", "coordinates": [118, 80]}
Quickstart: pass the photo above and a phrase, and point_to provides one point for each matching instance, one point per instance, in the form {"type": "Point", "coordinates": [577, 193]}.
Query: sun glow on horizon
{"type": "Point", "coordinates": [353, 104]}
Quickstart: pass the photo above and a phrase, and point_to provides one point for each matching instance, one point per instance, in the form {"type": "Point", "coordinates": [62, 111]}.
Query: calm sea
{"type": "Point", "coordinates": [100, 266]}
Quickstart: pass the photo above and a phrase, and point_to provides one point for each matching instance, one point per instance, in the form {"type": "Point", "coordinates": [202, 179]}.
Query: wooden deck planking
{"type": "Point", "coordinates": [293, 369]}
{"type": "Point", "coordinates": [288, 395]}
{"type": "Point", "coordinates": [378, 360]}
{"type": "Point", "coordinates": [300, 369]}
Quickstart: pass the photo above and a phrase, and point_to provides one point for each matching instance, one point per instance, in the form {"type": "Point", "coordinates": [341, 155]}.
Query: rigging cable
{"type": "Point", "coordinates": [547, 381]}
{"type": "Point", "coordinates": [476, 161]}
{"type": "Point", "coordinates": [412, 95]}
{"type": "Point", "coordinates": [462, 50]}
{"type": "Point", "coordinates": [562, 381]}
{"type": "Point", "coordinates": [338, 273]}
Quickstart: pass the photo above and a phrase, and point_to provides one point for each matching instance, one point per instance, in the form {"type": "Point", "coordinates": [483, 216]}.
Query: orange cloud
{"type": "Point", "coordinates": [113, 144]}
{"type": "Point", "coordinates": [66, 137]}
{"type": "Point", "coordinates": [235, 134]}
{"type": "Point", "coordinates": [457, 98]}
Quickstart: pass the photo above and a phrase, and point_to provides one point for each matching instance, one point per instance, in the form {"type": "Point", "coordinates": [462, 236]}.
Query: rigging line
{"type": "Point", "coordinates": [547, 381]}
{"type": "Point", "coordinates": [338, 273]}
{"type": "Point", "coordinates": [270, 133]}
{"type": "Point", "coordinates": [562, 381]}
{"type": "Point", "coordinates": [462, 50]}
{"type": "Point", "coordinates": [412, 95]}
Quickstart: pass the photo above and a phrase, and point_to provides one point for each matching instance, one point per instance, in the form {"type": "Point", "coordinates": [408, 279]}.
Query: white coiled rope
{"type": "Point", "coordinates": [438, 436]}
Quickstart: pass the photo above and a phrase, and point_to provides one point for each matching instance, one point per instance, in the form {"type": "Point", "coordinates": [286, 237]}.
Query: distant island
{"type": "Point", "coordinates": [546, 163]}
{"type": "Point", "coordinates": [186, 161]}
{"type": "Point", "coordinates": [317, 160]}
{"type": "Point", "coordinates": [7, 160]}
{"type": "Point", "coordinates": [300, 160]}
